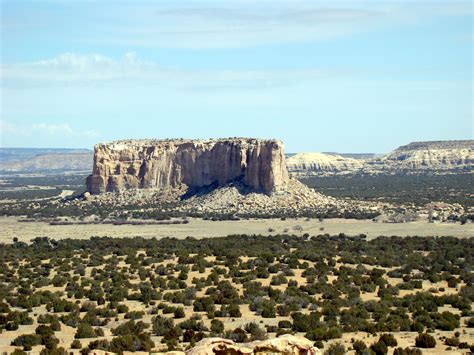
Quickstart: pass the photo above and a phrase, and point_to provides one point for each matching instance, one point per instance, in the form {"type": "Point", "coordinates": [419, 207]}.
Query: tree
{"type": "Point", "coordinates": [359, 347]}
{"type": "Point", "coordinates": [132, 342]}
{"type": "Point", "coordinates": [238, 335]}
{"type": "Point", "coordinates": [255, 331]}
{"type": "Point", "coordinates": [388, 339]}
{"type": "Point", "coordinates": [27, 341]}
{"type": "Point", "coordinates": [234, 311]}
{"type": "Point", "coordinates": [85, 330]}
{"type": "Point", "coordinates": [335, 349]}
{"type": "Point", "coordinates": [379, 348]}
{"type": "Point", "coordinates": [179, 313]}
{"type": "Point", "coordinates": [425, 340]}
{"type": "Point", "coordinates": [162, 325]}
{"type": "Point", "coordinates": [76, 344]}
{"type": "Point", "coordinates": [217, 326]}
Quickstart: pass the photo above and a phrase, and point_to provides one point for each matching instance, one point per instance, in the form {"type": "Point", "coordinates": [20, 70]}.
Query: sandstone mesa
{"type": "Point", "coordinates": [121, 165]}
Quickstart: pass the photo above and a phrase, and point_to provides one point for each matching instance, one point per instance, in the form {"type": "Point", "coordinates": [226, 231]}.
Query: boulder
{"type": "Point", "coordinates": [285, 344]}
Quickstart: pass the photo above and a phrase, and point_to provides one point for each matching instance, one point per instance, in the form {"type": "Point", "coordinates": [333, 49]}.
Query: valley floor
{"type": "Point", "coordinates": [10, 227]}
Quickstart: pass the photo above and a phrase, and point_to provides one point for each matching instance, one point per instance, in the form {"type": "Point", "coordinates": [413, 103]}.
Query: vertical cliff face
{"type": "Point", "coordinates": [258, 164]}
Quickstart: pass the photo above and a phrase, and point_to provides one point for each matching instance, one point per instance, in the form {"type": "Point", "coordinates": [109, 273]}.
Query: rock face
{"type": "Point", "coordinates": [317, 162]}
{"type": "Point", "coordinates": [435, 155]}
{"type": "Point", "coordinates": [257, 164]}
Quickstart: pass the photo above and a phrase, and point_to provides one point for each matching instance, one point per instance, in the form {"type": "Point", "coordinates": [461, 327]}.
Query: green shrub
{"type": "Point", "coordinates": [27, 341]}
{"type": "Point", "coordinates": [379, 348]}
{"type": "Point", "coordinates": [285, 324]}
{"type": "Point", "coordinates": [359, 347]}
{"type": "Point", "coordinates": [452, 342]}
{"type": "Point", "coordinates": [335, 349]}
{"type": "Point", "coordinates": [388, 339]}
{"type": "Point", "coordinates": [425, 341]}
{"type": "Point", "coordinates": [179, 313]}
{"type": "Point", "coordinates": [76, 344]}
{"type": "Point", "coordinates": [217, 326]}
{"type": "Point", "coordinates": [407, 351]}
{"type": "Point", "coordinates": [162, 325]}
{"type": "Point", "coordinates": [85, 330]}
{"type": "Point", "coordinates": [122, 308]}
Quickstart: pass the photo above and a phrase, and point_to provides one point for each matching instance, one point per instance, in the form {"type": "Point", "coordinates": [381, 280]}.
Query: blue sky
{"type": "Point", "coordinates": [322, 76]}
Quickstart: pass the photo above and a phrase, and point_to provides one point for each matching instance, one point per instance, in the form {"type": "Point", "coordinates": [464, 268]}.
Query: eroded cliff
{"type": "Point", "coordinates": [435, 155]}
{"type": "Point", "coordinates": [257, 164]}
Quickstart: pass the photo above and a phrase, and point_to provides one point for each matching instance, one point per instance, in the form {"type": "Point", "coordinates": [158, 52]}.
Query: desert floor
{"type": "Point", "coordinates": [404, 339]}
{"type": "Point", "coordinates": [198, 228]}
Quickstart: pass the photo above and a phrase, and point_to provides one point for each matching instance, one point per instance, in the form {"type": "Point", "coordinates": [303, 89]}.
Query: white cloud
{"type": "Point", "coordinates": [234, 25]}
{"type": "Point", "coordinates": [44, 130]}
{"type": "Point", "coordinates": [97, 69]}
{"type": "Point", "coordinates": [245, 24]}
{"type": "Point", "coordinates": [73, 67]}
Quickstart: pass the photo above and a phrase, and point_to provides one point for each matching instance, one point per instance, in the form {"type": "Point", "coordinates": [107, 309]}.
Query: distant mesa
{"type": "Point", "coordinates": [138, 164]}
{"type": "Point", "coordinates": [47, 161]}
{"type": "Point", "coordinates": [314, 162]}
{"type": "Point", "coordinates": [416, 157]}
{"type": "Point", "coordinates": [434, 155]}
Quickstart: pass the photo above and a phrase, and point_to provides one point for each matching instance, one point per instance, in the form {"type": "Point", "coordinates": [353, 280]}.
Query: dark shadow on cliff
{"type": "Point", "coordinates": [197, 191]}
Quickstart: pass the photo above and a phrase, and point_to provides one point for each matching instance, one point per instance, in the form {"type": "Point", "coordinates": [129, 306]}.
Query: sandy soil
{"type": "Point", "coordinates": [10, 227]}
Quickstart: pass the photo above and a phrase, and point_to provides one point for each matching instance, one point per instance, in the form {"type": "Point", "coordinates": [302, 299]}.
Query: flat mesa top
{"type": "Point", "coordinates": [152, 141]}
{"type": "Point", "coordinates": [455, 144]}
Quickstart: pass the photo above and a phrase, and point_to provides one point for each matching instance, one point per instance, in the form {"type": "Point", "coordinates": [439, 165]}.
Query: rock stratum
{"type": "Point", "coordinates": [416, 157]}
{"type": "Point", "coordinates": [140, 164]}
{"type": "Point", "coordinates": [434, 155]}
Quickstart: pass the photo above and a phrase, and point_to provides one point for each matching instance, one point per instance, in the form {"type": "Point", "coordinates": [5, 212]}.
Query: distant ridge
{"type": "Point", "coordinates": [436, 156]}
{"type": "Point", "coordinates": [20, 154]}
{"type": "Point", "coordinates": [453, 144]}
{"type": "Point", "coordinates": [58, 162]}
{"type": "Point", "coordinates": [321, 162]}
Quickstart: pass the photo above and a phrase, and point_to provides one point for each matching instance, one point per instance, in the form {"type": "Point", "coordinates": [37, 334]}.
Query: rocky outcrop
{"type": "Point", "coordinates": [320, 162]}
{"type": "Point", "coordinates": [257, 164]}
{"type": "Point", "coordinates": [285, 344]}
{"type": "Point", "coordinates": [435, 155]}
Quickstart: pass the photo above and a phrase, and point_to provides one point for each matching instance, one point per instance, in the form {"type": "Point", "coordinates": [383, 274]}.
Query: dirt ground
{"type": "Point", "coordinates": [199, 228]}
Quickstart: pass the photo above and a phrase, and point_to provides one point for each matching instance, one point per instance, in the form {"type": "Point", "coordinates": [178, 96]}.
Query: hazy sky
{"type": "Point", "coordinates": [322, 76]}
